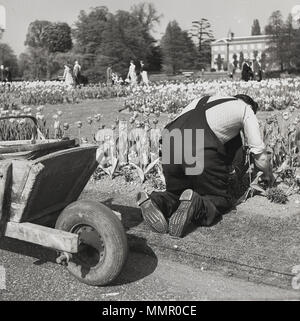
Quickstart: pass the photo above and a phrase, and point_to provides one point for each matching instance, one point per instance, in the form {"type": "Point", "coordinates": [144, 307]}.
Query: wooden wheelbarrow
{"type": "Point", "coordinates": [40, 182]}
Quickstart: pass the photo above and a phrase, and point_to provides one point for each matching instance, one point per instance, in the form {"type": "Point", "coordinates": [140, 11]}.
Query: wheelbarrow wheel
{"type": "Point", "coordinates": [102, 242]}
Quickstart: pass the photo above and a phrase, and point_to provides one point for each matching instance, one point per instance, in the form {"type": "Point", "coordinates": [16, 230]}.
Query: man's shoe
{"type": "Point", "coordinates": [153, 217]}
{"type": "Point", "coordinates": [183, 215]}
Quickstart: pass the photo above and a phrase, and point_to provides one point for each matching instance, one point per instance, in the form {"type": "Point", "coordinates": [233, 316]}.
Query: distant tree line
{"type": "Point", "coordinates": [283, 51]}
{"type": "Point", "coordinates": [284, 44]}
{"type": "Point", "coordinates": [100, 39]}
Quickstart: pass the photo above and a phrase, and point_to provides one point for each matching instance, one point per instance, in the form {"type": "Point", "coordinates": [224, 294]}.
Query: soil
{"type": "Point", "coordinates": [258, 239]}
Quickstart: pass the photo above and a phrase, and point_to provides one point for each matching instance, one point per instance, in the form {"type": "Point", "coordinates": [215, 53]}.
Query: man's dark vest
{"type": "Point", "coordinates": [218, 157]}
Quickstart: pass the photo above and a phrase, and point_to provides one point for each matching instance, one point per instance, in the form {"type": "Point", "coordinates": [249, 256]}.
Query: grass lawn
{"type": "Point", "coordinates": [109, 108]}
{"type": "Point", "coordinates": [80, 112]}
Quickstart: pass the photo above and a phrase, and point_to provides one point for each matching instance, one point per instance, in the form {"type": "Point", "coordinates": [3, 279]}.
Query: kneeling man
{"type": "Point", "coordinates": [209, 130]}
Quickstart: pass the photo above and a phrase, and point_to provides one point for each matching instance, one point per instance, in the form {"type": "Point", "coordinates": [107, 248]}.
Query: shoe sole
{"type": "Point", "coordinates": [179, 220]}
{"type": "Point", "coordinates": [152, 216]}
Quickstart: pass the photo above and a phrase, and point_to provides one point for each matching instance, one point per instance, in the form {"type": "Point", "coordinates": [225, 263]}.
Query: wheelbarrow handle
{"type": "Point", "coordinates": [36, 132]}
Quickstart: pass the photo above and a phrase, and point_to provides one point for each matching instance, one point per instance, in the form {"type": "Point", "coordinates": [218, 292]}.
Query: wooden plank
{"type": "Point", "coordinates": [5, 193]}
{"type": "Point", "coordinates": [23, 184]}
{"type": "Point", "coordinates": [58, 145]}
{"type": "Point", "coordinates": [48, 237]}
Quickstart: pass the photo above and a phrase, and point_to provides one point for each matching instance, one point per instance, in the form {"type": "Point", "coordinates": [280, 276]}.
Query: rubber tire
{"type": "Point", "coordinates": [106, 223]}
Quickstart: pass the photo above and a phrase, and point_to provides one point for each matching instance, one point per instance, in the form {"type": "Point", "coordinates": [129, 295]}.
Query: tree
{"type": "Point", "coordinates": [154, 59]}
{"type": "Point", "coordinates": [204, 35]}
{"type": "Point", "coordinates": [34, 37]}
{"type": "Point", "coordinates": [291, 44]}
{"type": "Point", "coordinates": [8, 58]}
{"type": "Point", "coordinates": [43, 40]}
{"type": "Point", "coordinates": [123, 40]}
{"type": "Point", "coordinates": [33, 64]}
{"type": "Point", "coordinates": [115, 39]}
{"type": "Point", "coordinates": [56, 37]}
{"type": "Point", "coordinates": [178, 49]}
{"type": "Point", "coordinates": [89, 28]}
{"type": "Point", "coordinates": [276, 30]}
{"type": "Point", "coordinates": [255, 29]}
{"type": "Point", "coordinates": [148, 18]}
{"type": "Point", "coordinates": [284, 44]}
{"type": "Point", "coordinates": [146, 15]}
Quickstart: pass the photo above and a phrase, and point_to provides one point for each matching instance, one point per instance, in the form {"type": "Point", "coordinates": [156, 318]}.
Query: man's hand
{"type": "Point", "coordinates": [262, 162]}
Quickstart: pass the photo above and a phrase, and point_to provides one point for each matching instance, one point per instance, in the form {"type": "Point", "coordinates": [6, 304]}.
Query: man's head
{"type": "Point", "coordinates": [249, 101]}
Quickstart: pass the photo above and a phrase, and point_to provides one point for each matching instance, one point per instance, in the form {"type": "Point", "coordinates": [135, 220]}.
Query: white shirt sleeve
{"type": "Point", "coordinates": [252, 132]}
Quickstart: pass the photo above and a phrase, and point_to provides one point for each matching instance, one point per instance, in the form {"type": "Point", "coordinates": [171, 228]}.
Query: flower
{"type": "Point", "coordinates": [39, 116]}
{"type": "Point", "coordinates": [79, 124]}
{"type": "Point", "coordinates": [98, 117]}
{"type": "Point", "coordinates": [40, 108]}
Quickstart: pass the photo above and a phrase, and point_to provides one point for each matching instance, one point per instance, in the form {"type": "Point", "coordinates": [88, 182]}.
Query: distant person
{"type": "Point", "coordinates": [231, 70]}
{"type": "Point", "coordinates": [138, 71]}
{"type": "Point", "coordinates": [8, 75]}
{"type": "Point", "coordinates": [132, 73]}
{"type": "Point", "coordinates": [77, 73]}
{"type": "Point", "coordinates": [109, 76]}
{"type": "Point", "coordinates": [68, 76]}
{"type": "Point", "coordinates": [144, 73]}
{"type": "Point", "coordinates": [2, 74]}
{"type": "Point", "coordinates": [247, 73]}
{"type": "Point", "coordinates": [251, 70]}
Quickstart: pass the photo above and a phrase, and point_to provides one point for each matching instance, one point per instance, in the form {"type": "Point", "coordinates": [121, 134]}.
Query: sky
{"type": "Point", "coordinates": [236, 15]}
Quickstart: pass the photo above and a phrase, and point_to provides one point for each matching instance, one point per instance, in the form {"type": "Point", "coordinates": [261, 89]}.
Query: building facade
{"type": "Point", "coordinates": [252, 47]}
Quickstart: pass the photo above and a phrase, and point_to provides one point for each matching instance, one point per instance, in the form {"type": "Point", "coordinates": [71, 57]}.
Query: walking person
{"type": "Point", "coordinates": [8, 75]}
{"type": "Point", "coordinates": [2, 73]}
{"type": "Point", "coordinates": [144, 74]}
{"type": "Point", "coordinates": [68, 77]}
{"type": "Point", "coordinates": [231, 70]}
{"type": "Point", "coordinates": [203, 197]}
{"type": "Point", "coordinates": [131, 76]}
{"type": "Point", "coordinates": [77, 73]}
